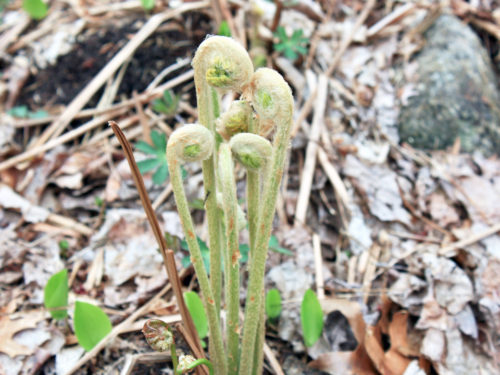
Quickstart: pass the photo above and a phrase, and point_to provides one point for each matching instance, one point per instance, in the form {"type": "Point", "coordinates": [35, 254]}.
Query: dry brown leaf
{"type": "Point", "coordinates": [387, 363]}
{"type": "Point", "coordinates": [9, 327]}
{"type": "Point", "coordinates": [357, 361]}
{"type": "Point", "coordinates": [351, 310]}
{"type": "Point", "coordinates": [441, 211]}
{"type": "Point", "coordinates": [432, 315]}
{"type": "Point", "coordinates": [398, 332]}
{"type": "Point", "coordinates": [381, 187]}
{"type": "Point", "coordinates": [480, 200]}
{"type": "Point", "coordinates": [345, 363]}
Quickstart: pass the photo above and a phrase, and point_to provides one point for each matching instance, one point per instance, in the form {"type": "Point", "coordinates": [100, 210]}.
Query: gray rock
{"type": "Point", "coordinates": [456, 94]}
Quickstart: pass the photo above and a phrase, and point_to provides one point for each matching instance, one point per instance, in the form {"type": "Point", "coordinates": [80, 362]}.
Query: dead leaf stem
{"type": "Point", "coordinates": [167, 254]}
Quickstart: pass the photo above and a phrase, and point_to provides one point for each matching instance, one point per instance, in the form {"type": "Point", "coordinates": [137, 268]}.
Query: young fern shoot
{"type": "Point", "coordinates": [230, 204]}
{"type": "Point", "coordinates": [273, 102]}
{"type": "Point", "coordinates": [220, 64]}
{"type": "Point", "coordinates": [195, 143]}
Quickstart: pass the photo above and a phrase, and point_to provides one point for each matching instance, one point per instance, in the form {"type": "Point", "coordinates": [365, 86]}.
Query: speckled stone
{"type": "Point", "coordinates": [456, 95]}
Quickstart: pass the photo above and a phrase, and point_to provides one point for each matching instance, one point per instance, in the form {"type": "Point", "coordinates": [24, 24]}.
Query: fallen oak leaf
{"type": "Point", "coordinates": [387, 363]}
{"type": "Point", "coordinates": [398, 332]}
{"type": "Point", "coordinates": [355, 362]}
{"type": "Point", "coordinates": [9, 327]}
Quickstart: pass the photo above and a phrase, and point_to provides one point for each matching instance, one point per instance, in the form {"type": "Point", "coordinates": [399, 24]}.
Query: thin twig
{"type": "Point", "coordinates": [146, 96]}
{"type": "Point", "coordinates": [469, 241]}
{"type": "Point", "coordinates": [167, 254]}
{"type": "Point", "coordinates": [311, 152]}
{"type": "Point", "coordinates": [306, 108]}
{"type": "Point", "coordinates": [318, 266]}
{"type": "Point", "coordinates": [58, 126]}
{"type": "Point", "coordinates": [161, 198]}
{"type": "Point", "coordinates": [59, 141]}
{"type": "Point", "coordinates": [394, 16]}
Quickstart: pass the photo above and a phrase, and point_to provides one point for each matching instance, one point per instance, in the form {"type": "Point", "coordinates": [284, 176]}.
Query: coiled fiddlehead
{"type": "Point", "coordinates": [220, 64]}
{"type": "Point", "coordinates": [190, 143]}
{"type": "Point", "coordinates": [235, 120]}
{"type": "Point", "coordinates": [223, 63]}
{"type": "Point", "coordinates": [251, 150]}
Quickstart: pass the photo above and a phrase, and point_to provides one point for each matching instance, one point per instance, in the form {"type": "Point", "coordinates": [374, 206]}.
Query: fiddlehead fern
{"type": "Point", "coordinates": [195, 143]}
{"type": "Point", "coordinates": [273, 102]}
{"type": "Point", "coordinates": [251, 150]}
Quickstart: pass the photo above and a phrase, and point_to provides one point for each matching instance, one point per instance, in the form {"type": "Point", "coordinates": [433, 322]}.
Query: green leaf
{"type": "Point", "coordinates": [20, 111]}
{"type": "Point", "coordinates": [184, 172]}
{"type": "Point", "coordinates": [244, 250]}
{"type": "Point", "coordinates": [273, 303]}
{"type": "Point", "coordinates": [63, 245]}
{"type": "Point", "coordinates": [148, 4]}
{"type": "Point", "coordinates": [98, 201]}
{"type": "Point", "coordinates": [197, 204]}
{"type": "Point", "coordinates": [37, 9]}
{"type": "Point", "coordinates": [311, 317]}
{"type": "Point", "coordinates": [146, 148]}
{"type": "Point", "coordinates": [186, 261]}
{"type": "Point", "coordinates": [91, 324]}
{"type": "Point", "coordinates": [168, 98]}
{"type": "Point", "coordinates": [292, 46]}
{"type": "Point", "coordinates": [224, 29]}
{"type": "Point", "coordinates": [159, 106]}
{"type": "Point", "coordinates": [274, 246]}
{"type": "Point", "coordinates": [160, 175]}
{"type": "Point", "coordinates": [148, 165]}
{"type": "Point", "coordinates": [205, 254]}
{"type": "Point", "coordinates": [166, 105]}
{"type": "Point", "coordinates": [55, 295]}
{"type": "Point", "coordinates": [38, 114]}
{"type": "Point", "coordinates": [197, 311]}
{"type": "Point", "coordinates": [290, 54]}
{"type": "Point", "coordinates": [159, 140]}
{"type": "Point", "coordinates": [281, 33]}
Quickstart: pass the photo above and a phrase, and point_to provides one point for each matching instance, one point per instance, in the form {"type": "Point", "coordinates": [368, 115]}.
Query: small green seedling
{"type": "Point", "coordinates": [55, 295]}
{"type": "Point", "coordinates": [63, 248]}
{"type": "Point", "coordinates": [205, 253]}
{"type": "Point", "coordinates": [275, 246]}
{"type": "Point", "coordinates": [273, 304]}
{"type": "Point", "coordinates": [224, 29]}
{"type": "Point", "coordinates": [197, 311]}
{"type": "Point", "coordinates": [290, 47]}
{"type": "Point", "coordinates": [63, 245]}
{"type": "Point", "coordinates": [98, 201]}
{"type": "Point", "coordinates": [22, 111]}
{"type": "Point", "coordinates": [167, 104]}
{"type": "Point", "coordinates": [91, 324]}
{"type": "Point", "coordinates": [36, 9]}
{"type": "Point", "coordinates": [311, 317]}
{"type": "Point", "coordinates": [159, 159]}
{"type": "Point", "coordinates": [148, 4]}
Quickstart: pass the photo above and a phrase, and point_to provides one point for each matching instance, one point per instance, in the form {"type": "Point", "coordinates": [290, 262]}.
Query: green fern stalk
{"type": "Point", "coordinates": [230, 203]}
{"type": "Point", "coordinates": [187, 144]}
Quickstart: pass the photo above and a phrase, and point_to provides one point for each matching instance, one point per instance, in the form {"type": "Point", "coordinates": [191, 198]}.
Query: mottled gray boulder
{"type": "Point", "coordinates": [456, 93]}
